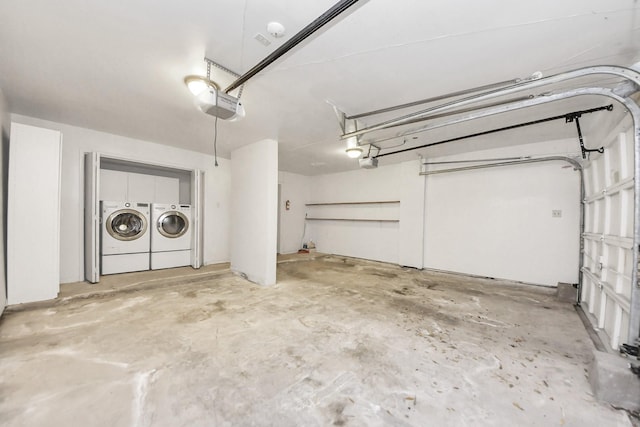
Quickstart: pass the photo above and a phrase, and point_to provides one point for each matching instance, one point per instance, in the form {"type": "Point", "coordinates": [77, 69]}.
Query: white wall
{"type": "Point", "coordinates": [412, 211]}
{"type": "Point", "coordinates": [498, 222]}
{"type": "Point", "coordinates": [399, 242]}
{"type": "Point", "coordinates": [491, 222]}
{"type": "Point", "coordinates": [5, 129]}
{"type": "Point", "coordinates": [254, 209]}
{"type": "Point", "coordinates": [291, 224]}
{"type": "Point", "coordinates": [77, 141]}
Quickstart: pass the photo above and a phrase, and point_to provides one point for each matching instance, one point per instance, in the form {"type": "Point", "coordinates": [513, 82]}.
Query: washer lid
{"type": "Point", "coordinates": [126, 224]}
{"type": "Point", "coordinates": [172, 224]}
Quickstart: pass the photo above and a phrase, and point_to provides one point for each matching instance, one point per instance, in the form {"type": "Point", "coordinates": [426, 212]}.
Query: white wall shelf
{"type": "Point", "coordinates": [353, 219]}
{"type": "Point", "coordinates": [353, 203]}
{"type": "Point", "coordinates": [365, 211]}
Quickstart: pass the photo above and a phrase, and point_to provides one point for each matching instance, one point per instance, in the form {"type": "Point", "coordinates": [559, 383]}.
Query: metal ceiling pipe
{"type": "Point", "coordinates": [299, 37]}
{"type": "Point", "coordinates": [461, 110]}
{"type": "Point", "coordinates": [502, 129]}
{"type": "Point", "coordinates": [626, 73]}
{"type": "Point", "coordinates": [501, 159]}
{"type": "Point", "coordinates": [341, 119]}
{"type": "Point", "coordinates": [433, 99]}
{"type": "Point", "coordinates": [488, 112]}
{"type": "Point", "coordinates": [569, 160]}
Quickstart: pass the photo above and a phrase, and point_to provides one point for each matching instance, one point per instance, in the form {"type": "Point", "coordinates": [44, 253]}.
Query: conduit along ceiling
{"type": "Point", "coordinates": [119, 67]}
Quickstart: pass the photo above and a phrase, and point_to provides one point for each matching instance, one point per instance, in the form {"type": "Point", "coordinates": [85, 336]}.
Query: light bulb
{"type": "Point", "coordinates": [198, 84]}
{"type": "Point", "coordinates": [354, 152]}
{"type": "Point", "coordinates": [196, 87]}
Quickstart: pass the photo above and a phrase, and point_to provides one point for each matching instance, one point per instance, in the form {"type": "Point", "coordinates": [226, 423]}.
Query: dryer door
{"type": "Point", "coordinates": [172, 224]}
{"type": "Point", "coordinates": [126, 224]}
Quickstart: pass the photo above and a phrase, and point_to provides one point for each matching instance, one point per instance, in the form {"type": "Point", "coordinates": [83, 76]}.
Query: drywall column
{"type": "Point", "coordinates": [254, 211]}
{"type": "Point", "coordinates": [33, 214]}
{"type": "Point", "coordinates": [412, 206]}
{"type": "Point", "coordinates": [5, 128]}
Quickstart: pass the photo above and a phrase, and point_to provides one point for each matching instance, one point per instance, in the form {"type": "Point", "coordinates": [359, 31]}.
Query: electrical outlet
{"type": "Point", "coordinates": [556, 213]}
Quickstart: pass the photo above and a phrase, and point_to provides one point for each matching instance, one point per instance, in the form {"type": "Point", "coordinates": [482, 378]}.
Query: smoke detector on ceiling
{"type": "Point", "coordinates": [276, 29]}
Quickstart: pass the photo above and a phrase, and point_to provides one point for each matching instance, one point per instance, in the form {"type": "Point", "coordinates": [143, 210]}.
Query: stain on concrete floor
{"type": "Point", "coordinates": [337, 341]}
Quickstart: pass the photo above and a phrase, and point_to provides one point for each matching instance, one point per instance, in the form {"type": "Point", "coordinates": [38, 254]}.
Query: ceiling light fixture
{"type": "Point", "coordinates": [198, 84]}
{"type": "Point", "coordinates": [354, 153]}
{"type": "Point", "coordinates": [212, 102]}
{"type": "Point", "coordinates": [353, 149]}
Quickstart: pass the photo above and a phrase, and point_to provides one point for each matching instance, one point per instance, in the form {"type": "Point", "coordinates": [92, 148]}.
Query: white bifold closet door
{"type": "Point", "coordinates": [197, 192]}
{"type": "Point", "coordinates": [33, 214]}
{"type": "Point", "coordinates": [91, 217]}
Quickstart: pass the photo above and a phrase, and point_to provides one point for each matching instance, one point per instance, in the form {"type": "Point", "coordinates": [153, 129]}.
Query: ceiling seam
{"type": "Point", "coordinates": [244, 26]}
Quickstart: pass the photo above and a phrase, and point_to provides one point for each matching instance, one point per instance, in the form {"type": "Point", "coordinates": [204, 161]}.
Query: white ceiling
{"type": "Point", "coordinates": [118, 66]}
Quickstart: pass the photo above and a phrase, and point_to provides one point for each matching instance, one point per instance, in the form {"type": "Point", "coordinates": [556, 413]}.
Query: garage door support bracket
{"type": "Point", "coordinates": [575, 117]}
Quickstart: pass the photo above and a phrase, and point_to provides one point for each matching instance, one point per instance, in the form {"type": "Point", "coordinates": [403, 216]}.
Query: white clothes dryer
{"type": "Point", "coordinates": [170, 235]}
{"type": "Point", "coordinates": [125, 239]}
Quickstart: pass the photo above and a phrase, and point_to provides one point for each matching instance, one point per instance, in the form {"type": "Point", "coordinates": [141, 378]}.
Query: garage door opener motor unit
{"type": "Point", "coordinates": [218, 103]}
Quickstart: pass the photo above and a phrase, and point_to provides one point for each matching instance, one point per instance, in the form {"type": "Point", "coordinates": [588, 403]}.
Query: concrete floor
{"type": "Point", "coordinates": [337, 341]}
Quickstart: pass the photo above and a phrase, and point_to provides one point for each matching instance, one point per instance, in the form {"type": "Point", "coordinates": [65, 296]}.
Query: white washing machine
{"type": "Point", "coordinates": [170, 235]}
{"type": "Point", "coordinates": [125, 238]}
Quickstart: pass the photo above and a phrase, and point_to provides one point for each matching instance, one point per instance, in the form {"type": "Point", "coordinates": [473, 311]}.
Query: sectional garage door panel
{"type": "Point", "coordinates": [608, 238]}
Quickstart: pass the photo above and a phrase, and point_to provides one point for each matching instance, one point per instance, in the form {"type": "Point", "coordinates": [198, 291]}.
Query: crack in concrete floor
{"type": "Point", "coordinates": [337, 341]}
